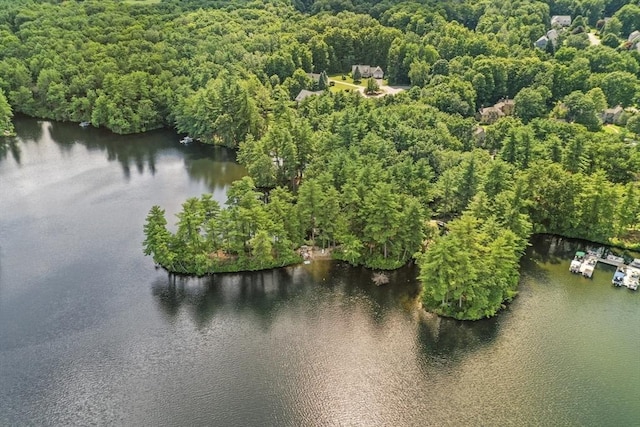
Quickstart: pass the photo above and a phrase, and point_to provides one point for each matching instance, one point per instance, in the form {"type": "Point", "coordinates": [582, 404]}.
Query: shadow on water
{"type": "Point", "coordinates": [28, 128]}
{"type": "Point", "coordinates": [10, 145]}
{"type": "Point", "coordinates": [450, 339]}
{"type": "Point", "coordinates": [263, 294]}
{"type": "Point", "coordinates": [258, 293]}
{"type": "Point", "coordinates": [214, 166]}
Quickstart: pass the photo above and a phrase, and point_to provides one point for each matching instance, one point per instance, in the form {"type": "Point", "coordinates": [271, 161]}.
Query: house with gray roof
{"type": "Point", "coordinates": [367, 71]}
{"type": "Point", "coordinates": [561, 21]}
{"type": "Point", "coordinates": [541, 43]}
{"type": "Point", "coordinates": [612, 115]}
{"type": "Point", "coordinates": [307, 93]}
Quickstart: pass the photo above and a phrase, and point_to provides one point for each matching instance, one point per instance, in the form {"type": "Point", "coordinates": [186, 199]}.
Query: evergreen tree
{"type": "Point", "coordinates": [357, 75]}
{"type": "Point", "coordinates": [158, 239]}
{"type": "Point", "coordinates": [323, 82]}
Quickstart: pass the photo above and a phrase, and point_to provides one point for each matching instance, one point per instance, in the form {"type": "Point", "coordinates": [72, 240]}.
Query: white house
{"type": "Point", "coordinates": [633, 36]}
{"type": "Point", "coordinates": [367, 71]}
{"type": "Point", "coordinates": [560, 20]}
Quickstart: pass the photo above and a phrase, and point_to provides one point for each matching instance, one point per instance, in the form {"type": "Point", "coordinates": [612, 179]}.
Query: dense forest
{"type": "Point", "coordinates": [505, 127]}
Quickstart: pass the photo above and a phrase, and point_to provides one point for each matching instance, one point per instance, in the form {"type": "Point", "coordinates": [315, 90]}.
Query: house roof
{"type": "Point", "coordinates": [615, 110]}
{"type": "Point", "coordinates": [305, 94]}
{"type": "Point", "coordinates": [366, 69]}
{"type": "Point", "coordinates": [542, 41]}
{"type": "Point", "coordinates": [634, 35]}
{"type": "Point", "coordinates": [488, 110]}
{"type": "Point", "coordinates": [563, 20]}
{"type": "Point", "coordinates": [504, 103]}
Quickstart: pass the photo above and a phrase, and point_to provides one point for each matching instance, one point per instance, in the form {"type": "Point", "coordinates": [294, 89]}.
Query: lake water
{"type": "Point", "coordinates": [92, 333]}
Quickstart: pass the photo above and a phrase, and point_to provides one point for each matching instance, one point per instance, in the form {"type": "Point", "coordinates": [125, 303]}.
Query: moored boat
{"type": "Point", "coordinates": [618, 276]}
{"type": "Point", "coordinates": [632, 278]}
{"type": "Point", "coordinates": [577, 262]}
{"type": "Point", "coordinates": [588, 266]}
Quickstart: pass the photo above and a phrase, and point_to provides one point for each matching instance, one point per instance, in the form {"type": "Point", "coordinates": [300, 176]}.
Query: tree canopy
{"type": "Point", "coordinates": [363, 176]}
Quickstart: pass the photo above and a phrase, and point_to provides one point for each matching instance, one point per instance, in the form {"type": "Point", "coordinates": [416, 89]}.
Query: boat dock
{"type": "Point", "coordinates": [625, 275]}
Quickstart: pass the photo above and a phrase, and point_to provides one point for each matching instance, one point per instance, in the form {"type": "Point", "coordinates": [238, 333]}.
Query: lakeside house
{"type": "Point", "coordinates": [367, 71]}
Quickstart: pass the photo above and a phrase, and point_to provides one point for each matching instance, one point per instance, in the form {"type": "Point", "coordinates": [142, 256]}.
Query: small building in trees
{"type": "Point", "coordinates": [552, 35]}
{"type": "Point", "coordinates": [507, 106]}
{"type": "Point", "coordinates": [306, 93]}
{"type": "Point", "coordinates": [314, 76]}
{"type": "Point", "coordinates": [479, 135]}
{"type": "Point", "coordinates": [488, 115]}
{"type": "Point", "coordinates": [561, 21]}
{"type": "Point", "coordinates": [541, 43]}
{"type": "Point", "coordinates": [634, 40]}
{"type": "Point", "coordinates": [367, 71]}
{"type": "Point", "coordinates": [612, 115]}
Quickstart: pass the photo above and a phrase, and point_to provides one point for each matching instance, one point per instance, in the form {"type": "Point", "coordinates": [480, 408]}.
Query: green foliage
{"type": "Point", "coordinates": [581, 109]}
{"type": "Point", "coordinates": [357, 75]}
{"type": "Point", "coordinates": [629, 16]}
{"type": "Point", "coordinates": [323, 82]}
{"type": "Point", "coordinates": [471, 271]}
{"type": "Point", "coordinates": [221, 112]}
{"type": "Point", "coordinates": [372, 86]}
{"type": "Point", "coordinates": [360, 176]}
{"type": "Point", "coordinates": [210, 239]}
{"type": "Point", "coordinates": [531, 103]}
{"type": "Point", "coordinates": [633, 124]}
{"type": "Point", "coordinates": [6, 127]}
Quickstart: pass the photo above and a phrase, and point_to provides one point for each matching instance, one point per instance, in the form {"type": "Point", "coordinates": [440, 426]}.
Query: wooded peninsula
{"type": "Point", "coordinates": [445, 132]}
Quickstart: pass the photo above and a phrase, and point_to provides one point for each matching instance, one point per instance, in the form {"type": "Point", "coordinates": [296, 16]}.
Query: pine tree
{"type": "Point", "coordinates": [323, 82]}
{"type": "Point", "coordinates": [357, 75]}
{"type": "Point", "coordinates": [157, 240]}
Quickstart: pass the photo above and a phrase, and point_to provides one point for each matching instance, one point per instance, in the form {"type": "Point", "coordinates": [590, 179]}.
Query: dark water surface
{"type": "Point", "coordinates": [92, 333]}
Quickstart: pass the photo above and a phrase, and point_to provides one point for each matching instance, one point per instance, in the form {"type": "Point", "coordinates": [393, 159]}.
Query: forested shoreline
{"type": "Point", "coordinates": [365, 176]}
